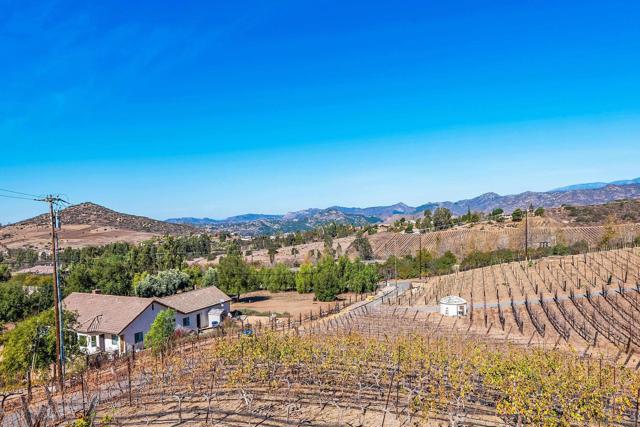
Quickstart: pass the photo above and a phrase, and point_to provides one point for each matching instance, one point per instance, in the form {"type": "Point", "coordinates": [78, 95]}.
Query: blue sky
{"type": "Point", "coordinates": [219, 108]}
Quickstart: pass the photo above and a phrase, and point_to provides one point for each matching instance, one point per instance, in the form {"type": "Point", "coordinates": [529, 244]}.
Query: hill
{"type": "Point", "coordinates": [88, 224]}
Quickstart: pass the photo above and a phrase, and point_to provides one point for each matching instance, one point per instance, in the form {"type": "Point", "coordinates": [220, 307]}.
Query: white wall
{"type": "Point", "coordinates": [142, 323]}
{"type": "Point", "coordinates": [204, 317]}
{"type": "Point", "coordinates": [451, 309]}
{"type": "Point", "coordinates": [109, 346]}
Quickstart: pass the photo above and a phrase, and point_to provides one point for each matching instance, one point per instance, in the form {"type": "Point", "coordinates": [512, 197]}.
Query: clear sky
{"type": "Point", "coordinates": [215, 108]}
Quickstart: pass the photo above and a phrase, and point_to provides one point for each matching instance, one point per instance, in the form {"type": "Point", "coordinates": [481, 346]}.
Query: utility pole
{"type": "Point", "coordinates": [526, 234]}
{"type": "Point", "coordinates": [57, 294]}
{"type": "Point", "coordinates": [395, 260]}
{"type": "Point", "coordinates": [420, 251]}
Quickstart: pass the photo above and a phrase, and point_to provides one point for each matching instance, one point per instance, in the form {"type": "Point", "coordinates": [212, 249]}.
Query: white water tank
{"type": "Point", "coordinates": [453, 305]}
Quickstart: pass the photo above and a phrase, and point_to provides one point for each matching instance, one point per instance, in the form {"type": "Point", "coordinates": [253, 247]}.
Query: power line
{"type": "Point", "coordinates": [18, 192]}
{"type": "Point", "coordinates": [16, 197]}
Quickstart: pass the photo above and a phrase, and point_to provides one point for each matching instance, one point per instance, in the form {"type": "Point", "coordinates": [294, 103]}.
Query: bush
{"type": "Point", "coordinates": [5, 273]}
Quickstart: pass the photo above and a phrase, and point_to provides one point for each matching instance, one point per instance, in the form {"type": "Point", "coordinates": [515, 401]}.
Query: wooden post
{"type": "Point", "coordinates": [129, 380]}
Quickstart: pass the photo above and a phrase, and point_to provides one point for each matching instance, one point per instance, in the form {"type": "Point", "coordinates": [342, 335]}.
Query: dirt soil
{"type": "Point", "coordinates": [292, 302]}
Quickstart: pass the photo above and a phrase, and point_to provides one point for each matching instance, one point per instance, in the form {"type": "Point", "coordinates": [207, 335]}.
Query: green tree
{"type": "Point", "coordinates": [167, 282]}
{"type": "Point", "coordinates": [427, 220]}
{"type": "Point", "coordinates": [233, 274]}
{"type": "Point", "coordinates": [279, 278]}
{"type": "Point", "coordinates": [161, 332]}
{"type": "Point", "coordinates": [360, 277]}
{"type": "Point", "coordinates": [112, 274]}
{"type": "Point", "coordinates": [13, 302]}
{"type": "Point", "coordinates": [32, 343]}
{"type": "Point", "coordinates": [442, 218]}
{"type": "Point", "coordinates": [304, 278]}
{"type": "Point", "coordinates": [497, 212]}
{"type": "Point", "coordinates": [325, 281]}
{"type": "Point", "coordinates": [362, 245]}
{"type": "Point", "coordinates": [517, 215]}
{"type": "Point", "coordinates": [539, 211]}
{"type": "Point", "coordinates": [210, 277]}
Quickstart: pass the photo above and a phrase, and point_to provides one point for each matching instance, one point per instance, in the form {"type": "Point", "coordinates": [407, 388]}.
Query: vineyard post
{"type": "Point", "coordinates": [82, 385]}
{"type": "Point", "coordinates": [129, 380]}
{"type": "Point", "coordinates": [635, 422]}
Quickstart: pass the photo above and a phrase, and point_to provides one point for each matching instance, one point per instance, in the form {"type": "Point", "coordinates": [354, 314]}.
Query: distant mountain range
{"type": "Point", "coordinates": [579, 194]}
{"type": "Point", "coordinates": [596, 185]}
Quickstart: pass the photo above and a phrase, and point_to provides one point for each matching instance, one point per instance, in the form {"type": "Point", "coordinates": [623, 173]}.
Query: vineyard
{"type": "Point", "coordinates": [551, 342]}
{"type": "Point", "coordinates": [462, 241]}
{"type": "Point", "coordinates": [587, 303]}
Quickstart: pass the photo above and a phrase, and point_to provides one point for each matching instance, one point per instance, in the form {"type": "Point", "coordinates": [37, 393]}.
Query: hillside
{"type": "Point", "coordinates": [612, 212]}
{"type": "Point", "coordinates": [88, 224]}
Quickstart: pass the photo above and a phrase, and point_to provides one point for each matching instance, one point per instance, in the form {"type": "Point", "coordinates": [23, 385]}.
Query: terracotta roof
{"type": "Point", "coordinates": [105, 313]}
{"type": "Point", "coordinates": [188, 302]}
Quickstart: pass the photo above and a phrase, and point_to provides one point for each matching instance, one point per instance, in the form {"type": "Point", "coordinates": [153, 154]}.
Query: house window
{"type": "Point", "coordinates": [93, 341]}
{"type": "Point", "coordinates": [114, 340]}
{"type": "Point", "coordinates": [138, 337]}
{"type": "Point", "coordinates": [186, 321]}
{"type": "Point", "coordinates": [82, 340]}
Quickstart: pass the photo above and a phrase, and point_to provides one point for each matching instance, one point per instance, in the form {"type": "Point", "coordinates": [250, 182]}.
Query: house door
{"type": "Point", "coordinates": [101, 342]}
{"type": "Point", "coordinates": [198, 321]}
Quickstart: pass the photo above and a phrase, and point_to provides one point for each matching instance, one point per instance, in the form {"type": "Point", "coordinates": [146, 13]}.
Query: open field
{"type": "Point", "coordinates": [284, 303]}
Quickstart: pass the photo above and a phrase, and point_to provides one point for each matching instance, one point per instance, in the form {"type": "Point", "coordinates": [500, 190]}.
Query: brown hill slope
{"type": "Point", "coordinates": [92, 214]}
{"type": "Point", "coordinates": [88, 224]}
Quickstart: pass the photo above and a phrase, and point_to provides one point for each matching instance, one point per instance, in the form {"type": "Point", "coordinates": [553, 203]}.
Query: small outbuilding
{"type": "Point", "coordinates": [453, 305]}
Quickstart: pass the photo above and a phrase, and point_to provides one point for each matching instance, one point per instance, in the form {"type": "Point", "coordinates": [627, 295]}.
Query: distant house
{"type": "Point", "coordinates": [199, 309]}
{"type": "Point", "coordinates": [117, 324]}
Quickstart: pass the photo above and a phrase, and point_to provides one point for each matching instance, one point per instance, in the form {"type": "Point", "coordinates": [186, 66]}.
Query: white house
{"type": "Point", "coordinates": [117, 324]}
{"type": "Point", "coordinates": [111, 323]}
{"type": "Point", "coordinates": [453, 305]}
{"type": "Point", "coordinates": [199, 309]}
